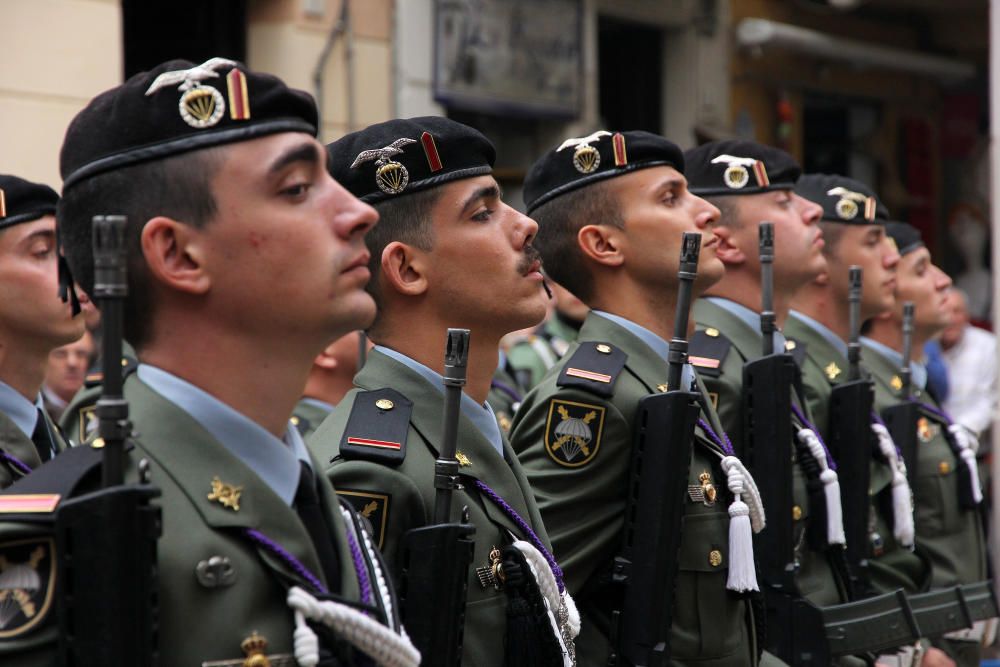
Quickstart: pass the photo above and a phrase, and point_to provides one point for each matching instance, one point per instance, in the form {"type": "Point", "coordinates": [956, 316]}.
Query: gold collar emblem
{"type": "Point", "coordinates": [226, 494]}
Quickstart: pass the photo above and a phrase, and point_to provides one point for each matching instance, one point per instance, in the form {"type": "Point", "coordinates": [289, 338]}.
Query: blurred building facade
{"type": "Point", "coordinates": [892, 92]}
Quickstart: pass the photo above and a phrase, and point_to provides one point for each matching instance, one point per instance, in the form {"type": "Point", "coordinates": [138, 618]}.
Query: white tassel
{"type": "Point", "coordinates": [965, 442]}
{"type": "Point", "coordinates": [564, 619]}
{"type": "Point", "coordinates": [902, 496]}
{"type": "Point", "coordinates": [831, 488]}
{"type": "Point", "coordinates": [742, 569]}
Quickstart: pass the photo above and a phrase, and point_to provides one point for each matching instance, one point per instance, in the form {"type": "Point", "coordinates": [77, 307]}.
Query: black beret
{"type": "Point", "coordinates": [737, 167]}
{"type": "Point", "coordinates": [403, 156]}
{"type": "Point", "coordinates": [843, 199]}
{"type": "Point", "coordinates": [907, 237]}
{"type": "Point", "coordinates": [24, 201]}
{"type": "Point", "coordinates": [584, 160]}
{"type": "Point", "coordinates": [178, 107]}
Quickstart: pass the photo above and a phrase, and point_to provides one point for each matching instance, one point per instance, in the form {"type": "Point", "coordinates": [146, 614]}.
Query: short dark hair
{"type": "Point", "coordinates": [559, 222]}
{"type": "Point", "coordinates": [404, 219]}
{"type": "Point", "coordinates": [728, 212]}
{"type": "Point", "coordinates": [178, 187]}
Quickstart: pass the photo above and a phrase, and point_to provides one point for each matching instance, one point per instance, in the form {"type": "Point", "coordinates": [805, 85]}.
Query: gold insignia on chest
{"type": "Point", "coordinates": [832, 370]}
{"type": "Point", "coordinates": [715, 558]}
{"type": "Point", "coordinates": [226, 494]}
{"type": "Point", "coordinates": [463, 460]}
{"type": "Point", "coordinates": [944, 467]}
{"type": "Point", "coordinates": [503, 421]}
{"type": "Point", "coordinates": [573, 432]}
{"type": "Point", "coordinates": [384, 404]}
{"type": "Point", "coordinates": [896, 382]}
{"type": "Point", "coordinates": [705, 491]}
{"type": "Point", "coordinates": [255, 648]}
{"type": "Point", "coordinates": [790, 345]}
{"type": "Point", "coordinates": [662, 388]}
{"type": "Point", "coordinates": [492, 574]}
{"type": "Point", "coordinates": [925, 429]}
{"type": "Point", "coordinates": [796, 512]}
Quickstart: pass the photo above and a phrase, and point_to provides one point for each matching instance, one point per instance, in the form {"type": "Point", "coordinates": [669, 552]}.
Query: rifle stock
{"type": "Point", "coordinates": [436, 558]}
{"type": "Point", "coordinates": [661, 458]}
{"type": "Point", "coordinates": [107, 539]}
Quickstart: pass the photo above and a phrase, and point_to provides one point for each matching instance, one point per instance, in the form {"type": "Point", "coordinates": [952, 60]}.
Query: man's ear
{"type": "Point", "coordinates": [403, 269]}
{"type": "Point", "coordinates": [602, 243]}
{"type": "Point", "coordinates": [175, 255]}
{"type": "Point", "coordinates": [727, 249]}
{"type": "Point", "coordinates": [327, 359]}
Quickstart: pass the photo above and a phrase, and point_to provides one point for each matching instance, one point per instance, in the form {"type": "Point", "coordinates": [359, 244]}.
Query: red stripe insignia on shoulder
{"type": "Point", "coordinates": [366, 442]}
{"type": "Point", "coordinates": [588, 375]}
{"type": "Point", "coordinates": [31, 503]}
{"type": "Point", "coordinates": [703, 362]}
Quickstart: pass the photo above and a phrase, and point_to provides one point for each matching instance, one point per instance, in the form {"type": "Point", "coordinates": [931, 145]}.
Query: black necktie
{"type": "Point", "coordinates": [310, 511]}
{"type": "Point", "coordinates": [41, 437]}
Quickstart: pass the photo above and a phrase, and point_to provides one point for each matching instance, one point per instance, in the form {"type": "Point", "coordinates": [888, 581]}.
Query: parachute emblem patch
{"type": "Point", "coordinates": [573, 432]}
{"type": "Point", "coordinates": [27, 585]}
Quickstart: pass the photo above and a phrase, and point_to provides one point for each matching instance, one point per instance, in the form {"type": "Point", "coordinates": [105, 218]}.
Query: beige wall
{"type": "Point", "coordinates": [282, 38]}
{"type": "Point", "coordinates": [56, 55]}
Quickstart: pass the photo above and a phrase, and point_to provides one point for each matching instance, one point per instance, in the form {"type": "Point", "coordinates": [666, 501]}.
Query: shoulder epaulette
{"type": "Point", "coordinates": [707, 350]}
{"type": "Point", "coordinates": [593, 367]}
{"type": "Point", "coordinates": [57, 480]}
{"type": "Point", "coordinates": [377, 427]}
{"type": "Point", "coordinates": [798, 350]}
{"type": "Point", "coordinates": [96, 376]}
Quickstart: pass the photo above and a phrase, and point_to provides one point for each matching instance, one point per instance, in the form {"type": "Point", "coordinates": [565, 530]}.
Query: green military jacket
{"type": "Point", "coordinates": [890, 565]}
{"type": "Point", "coordinates": [308, 415]}
{"type": "Point", "coordinates": [581, 494]}
{"type": "Point", "coordinates": [79, 419]}
{"type": "Point", "coordinates": [200, 621]}
{"type": "Point", "coordinates": [399, 496]}
{"type": "Point", "coordinates": [17, 450]}
{"type": "Point", "coordinates": [505, 396]}
{"type": "Point", "coordinates": [730, 343]}
{"type": "Point", "coordinates": [950, 536]}
{"type": "Point", "coordinates": [532, 356]}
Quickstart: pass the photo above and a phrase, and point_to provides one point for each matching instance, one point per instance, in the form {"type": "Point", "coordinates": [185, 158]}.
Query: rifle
{"type": "Point", "coordinates": [901, 419]}
{"type": "Point", "coordinates": [661, 456]}
{"type": "Point", "coordinates": [851, 443]}
{"type": "Point", "coordinates": [436, 558]}
{"type": "Point", "coordinates": [106, 540]}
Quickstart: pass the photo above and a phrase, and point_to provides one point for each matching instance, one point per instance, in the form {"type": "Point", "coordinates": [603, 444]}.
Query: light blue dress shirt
{"type": "Point", "coordinates": [276, 461]}
{"type": "Point", "coordinates": [823, 330]}
{"type": "Point", "coordinates": [481, 416]}
{"type": "Point", "coordinates": [918, 372]}
{"type": "Point", "coordinates": [20, 410]}
{"type": "Point", "coordinates": [748, 316]}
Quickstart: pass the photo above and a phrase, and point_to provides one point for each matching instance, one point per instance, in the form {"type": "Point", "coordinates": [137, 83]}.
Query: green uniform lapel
{"type": "Point", "coordinates": [824, 367]}
{"type": "Point", "coordinates": [486, 464]}
{"type": "Point", "coordinates": [175, 441]}
{"type": "Point", "coordinates": [14, 443]}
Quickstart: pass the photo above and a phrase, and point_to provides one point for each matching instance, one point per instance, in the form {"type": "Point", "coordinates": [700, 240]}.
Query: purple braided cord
{"type": "Point", "coordinates": [723, 442]}
{"type": "Point", "coordinates": [279, 551]}
{"type": "Point", "coordinates": [16, 462]}
{"type": "Point", "coordinates": [934, 411]}
{"type": "Point", "coordinates": [830, 463]}
{"type": "Point", "coordinates": [507, 389]}
{"type": "Point", "coordinates": [523, 525]}
{"type": "Point", "coordinates": [360, 569]}
{"type": "Point", "coordinates": [878, 420]}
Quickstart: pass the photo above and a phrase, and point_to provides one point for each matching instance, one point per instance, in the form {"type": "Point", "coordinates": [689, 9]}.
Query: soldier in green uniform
{"type": "Point", "coordinates": [33, 322]}
{"type": "Point", "coordinates": [751, 183]}
{"type": "Point", "coordinates": [612, 209]}
{"type": "Point", "coordinates": [531, 357]}
{"type": "Point", "coordinates": [445, 246]}
{"type": "Point", "coordinates": [854, 227]}
{"type": "Point", "coordinates": [79, 420]}
{"type": "Point", "coordinates": [245, 258]}
{"type": "Point", "coordinates": [949, 531]}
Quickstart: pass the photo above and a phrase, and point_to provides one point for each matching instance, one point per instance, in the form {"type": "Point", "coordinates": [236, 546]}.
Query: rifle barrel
{"type": "Point", "coordinates": [904, 372]}
{"type": "Point", "coordinates": [677, 357]}
{"type": "Point", "coordinates": [855, 278]}
{"type": "Point", "coordinates": [456, 359]}
{"type": "Point", "coordinates": [767, 325]}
